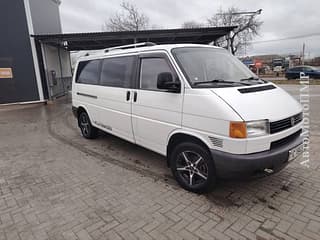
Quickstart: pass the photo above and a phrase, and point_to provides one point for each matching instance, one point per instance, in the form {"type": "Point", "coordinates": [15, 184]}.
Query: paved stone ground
{"type": "Point", "coordinates": [56, 185]}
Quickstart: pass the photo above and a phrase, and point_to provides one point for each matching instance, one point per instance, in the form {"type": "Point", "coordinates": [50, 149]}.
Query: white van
{"type": "Point", "coordinates": [195, 104]}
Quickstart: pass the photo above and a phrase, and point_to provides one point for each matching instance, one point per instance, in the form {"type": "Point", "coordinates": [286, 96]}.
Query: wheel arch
{"type": "Point", "coordinates": [81, 109]}
{"type": "Point", "coordinates": [183, 136]}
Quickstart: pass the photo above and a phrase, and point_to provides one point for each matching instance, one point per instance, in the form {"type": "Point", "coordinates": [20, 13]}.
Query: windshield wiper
{"type": "Point", "coordinates": [217, 81]}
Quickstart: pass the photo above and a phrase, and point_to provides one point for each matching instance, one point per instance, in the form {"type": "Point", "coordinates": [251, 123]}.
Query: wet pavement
{"type": "Point", "coordinates": [54, 184]}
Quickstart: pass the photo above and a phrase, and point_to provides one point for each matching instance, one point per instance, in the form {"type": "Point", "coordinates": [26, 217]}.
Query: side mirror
{"type": "Point", "coordinates": [165, 81]}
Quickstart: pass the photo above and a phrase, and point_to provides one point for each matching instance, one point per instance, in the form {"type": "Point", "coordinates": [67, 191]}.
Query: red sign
{"type": "Point", "coordinates": [258, 64]}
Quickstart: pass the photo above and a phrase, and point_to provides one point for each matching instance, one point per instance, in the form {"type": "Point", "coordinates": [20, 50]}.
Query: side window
{"type": "Point", "coordinates": [88, 72]}
{"type": "Point", "coordinates": [150, 68]}
{"type": "Point", "coordinates": [117, 72]}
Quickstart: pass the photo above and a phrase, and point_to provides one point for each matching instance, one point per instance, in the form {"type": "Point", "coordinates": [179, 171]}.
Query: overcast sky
{"type": "Point", "coordinates": [282, 19]}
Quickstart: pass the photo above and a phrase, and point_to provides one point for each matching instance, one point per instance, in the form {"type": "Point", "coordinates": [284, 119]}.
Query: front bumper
{"type": "Point", "coordinates": [249, 165]}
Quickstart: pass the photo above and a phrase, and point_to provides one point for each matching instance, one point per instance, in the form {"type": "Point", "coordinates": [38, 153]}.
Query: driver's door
{"type": "Point", "coordinates": [155, 112]}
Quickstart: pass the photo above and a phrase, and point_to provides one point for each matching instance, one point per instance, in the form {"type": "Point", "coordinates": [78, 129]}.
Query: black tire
{"type": "Point", "coordinates": [88, 131]}
{"type": "Point", "coordinates": [197, 175]}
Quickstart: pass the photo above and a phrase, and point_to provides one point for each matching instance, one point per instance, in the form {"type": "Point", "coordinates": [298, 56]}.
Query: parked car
{"type": "Point", "coordinates": [278, 65]}
{"type": "Point", "coordinates": [294, 73]}
{"type": "Point", "coordinates": [198, 105]}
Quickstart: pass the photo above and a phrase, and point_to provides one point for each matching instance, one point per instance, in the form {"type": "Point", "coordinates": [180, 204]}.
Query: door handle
{"type": "Point", "coordinates": [128, 95]}
{"type": "Point", "coordinates": [135, 94]}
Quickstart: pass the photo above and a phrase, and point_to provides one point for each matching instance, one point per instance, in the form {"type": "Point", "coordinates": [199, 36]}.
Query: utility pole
{"type": "Point", "coordinates": [303, 50]}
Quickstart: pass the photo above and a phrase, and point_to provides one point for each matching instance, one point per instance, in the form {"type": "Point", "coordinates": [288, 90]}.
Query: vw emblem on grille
{"type": "Point", "coordinates": [292, 121]}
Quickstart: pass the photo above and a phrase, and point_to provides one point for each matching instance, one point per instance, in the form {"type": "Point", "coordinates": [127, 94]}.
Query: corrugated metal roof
{"type": "Point", "coordinates": [100, 40]}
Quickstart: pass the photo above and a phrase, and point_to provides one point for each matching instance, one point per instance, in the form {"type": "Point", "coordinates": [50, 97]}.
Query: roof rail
{"type": "Point", "coordinates": [143, 44]}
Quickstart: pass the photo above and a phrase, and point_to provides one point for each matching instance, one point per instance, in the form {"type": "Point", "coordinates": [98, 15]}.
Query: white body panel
{"type": "Point", "coordinates": [204, 113]}
{"type": "Point", "coordinates": [208, 115]}
{"type": "Point", "coordinates": [90, 104]}
{"type": "Point", "coordinates": [115, 112]}
{"type": "Point", "coordinates": [155, 115]}
{"type": "Point", "coordinates": [274, 104]}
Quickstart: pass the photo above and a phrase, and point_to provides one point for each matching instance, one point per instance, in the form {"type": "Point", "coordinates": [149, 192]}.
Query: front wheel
{"type": "Point", "coordinates": [193, 167]}
{"type": "Point", "coordinates": [87, 130]}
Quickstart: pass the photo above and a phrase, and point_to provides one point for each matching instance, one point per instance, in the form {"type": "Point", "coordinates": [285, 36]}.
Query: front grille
{"type": "Point", "coordinates": [286, 123]}
{"type": "Point", "coordinates": [285, 140]}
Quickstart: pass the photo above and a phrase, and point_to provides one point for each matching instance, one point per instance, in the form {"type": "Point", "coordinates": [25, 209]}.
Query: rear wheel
{"type": "Point", "coordinates": [88, 131]}
{"type": "Point", "coordinates": [193, 167]}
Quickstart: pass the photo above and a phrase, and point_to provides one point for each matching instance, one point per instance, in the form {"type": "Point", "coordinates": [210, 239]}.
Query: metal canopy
{"type": "Point", "coordinates": [100, 40]}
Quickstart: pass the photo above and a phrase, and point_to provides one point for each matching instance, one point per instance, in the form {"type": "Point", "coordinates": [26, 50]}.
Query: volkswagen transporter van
{"type": "Point", "coordinates": [195, 104]}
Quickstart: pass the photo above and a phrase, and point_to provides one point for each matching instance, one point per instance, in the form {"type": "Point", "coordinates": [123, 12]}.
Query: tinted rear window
{"type": "Point", "coordinates": [117, 72]}
{"type": "Point", "coordinates": [88, 72]}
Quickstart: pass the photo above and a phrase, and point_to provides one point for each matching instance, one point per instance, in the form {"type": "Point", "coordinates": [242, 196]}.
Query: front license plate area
{"type": "Point", "coordinates": [295, 152]}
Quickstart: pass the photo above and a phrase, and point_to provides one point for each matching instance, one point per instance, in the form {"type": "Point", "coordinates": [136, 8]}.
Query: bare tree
{"type": "Point", "coordinates": [128, 19]}
{"type": "Point", "coordinates": [192, 24]}
{"type": "Point", "coordinates": [248, 27]}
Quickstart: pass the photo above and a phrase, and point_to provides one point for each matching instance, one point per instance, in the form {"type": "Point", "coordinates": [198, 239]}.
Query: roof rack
{"type": "Point", "coordinates": [143, 44]}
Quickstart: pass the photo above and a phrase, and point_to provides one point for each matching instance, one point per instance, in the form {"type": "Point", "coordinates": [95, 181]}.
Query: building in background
{"type": "Point", "coordinates": [22, 76]}
{"type": "Point", "coordinates": [35, 61]}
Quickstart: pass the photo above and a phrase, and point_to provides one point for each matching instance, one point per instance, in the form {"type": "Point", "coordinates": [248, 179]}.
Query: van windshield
{"type": "Point", "coordinates": [207, 67]}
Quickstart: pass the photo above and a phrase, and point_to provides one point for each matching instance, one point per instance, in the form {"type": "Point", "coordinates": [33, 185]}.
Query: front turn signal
{"type": "Point", "coordinates": [238, 130]}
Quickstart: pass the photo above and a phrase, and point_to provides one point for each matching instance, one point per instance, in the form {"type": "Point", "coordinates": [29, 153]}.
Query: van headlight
{"type": "Point", "coordinates": [257, 128]}
{"type": "Point", "coordinates": [249, 129]}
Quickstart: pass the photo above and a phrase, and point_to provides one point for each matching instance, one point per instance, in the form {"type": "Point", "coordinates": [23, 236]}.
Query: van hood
{"type": "Point", "coordinates": [273, 104]}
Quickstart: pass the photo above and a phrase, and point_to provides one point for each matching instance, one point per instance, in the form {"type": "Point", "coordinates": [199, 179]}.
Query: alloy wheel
{"type": "Point", "coordinates": [192, 168]}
